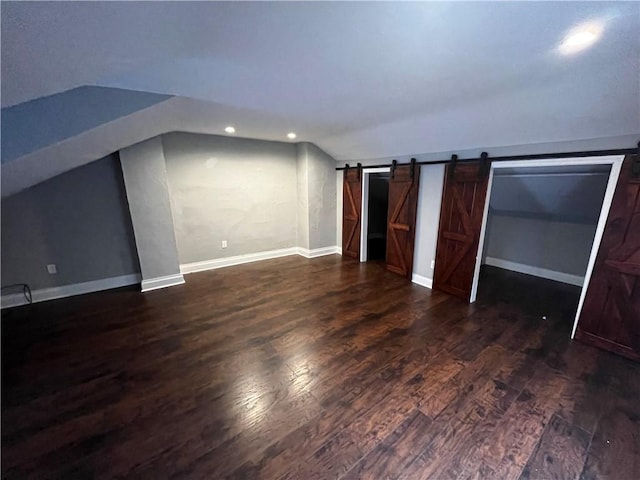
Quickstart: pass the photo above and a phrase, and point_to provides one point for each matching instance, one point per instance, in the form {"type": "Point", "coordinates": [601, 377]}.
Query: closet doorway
{"type": "Point", "coordinates": [563, 202]}
{"type": "Point", "coordinates": [375, 203]}
{"type": "Point", "coordinates": [387, 230]}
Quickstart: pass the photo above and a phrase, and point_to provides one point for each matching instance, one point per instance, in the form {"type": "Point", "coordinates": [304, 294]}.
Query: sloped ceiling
{"type": "Point", "coordinates": [359, 79]}
{"type": "Point", "coordinates": [565, 194]}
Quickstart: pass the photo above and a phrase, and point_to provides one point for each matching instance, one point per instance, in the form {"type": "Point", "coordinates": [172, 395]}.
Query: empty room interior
{"type": "Point", "coordinates": [320, 240]}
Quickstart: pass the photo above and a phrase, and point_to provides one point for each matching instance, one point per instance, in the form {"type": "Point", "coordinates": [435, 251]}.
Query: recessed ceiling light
{"type": "Point", "coordinates": [291, 135]}
{"type": "Point", "coordinates": [230, 129]}
{"type": "Point", "coordinates": [580, 38]}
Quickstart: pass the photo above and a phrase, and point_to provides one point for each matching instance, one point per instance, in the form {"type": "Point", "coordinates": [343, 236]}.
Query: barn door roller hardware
{"type": "Point", "coordinates": [635, 166]}
{"type": "Point", "coordinates": [394, 164]}
{"type": "Point", "coordinates": [359, 171]}
{"type": "Point", "coordinates": [535, 156]}
{"type": "Point", "coordinates": [413, 168]}
{"type": "Point", "coordinates": [454, 162]}
{"type": "Point", "coordinates": [485, 165]}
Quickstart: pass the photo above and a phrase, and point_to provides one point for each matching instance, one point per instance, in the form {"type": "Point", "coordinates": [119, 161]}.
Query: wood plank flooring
{"type": "Point", "coordinates": [314, 369]}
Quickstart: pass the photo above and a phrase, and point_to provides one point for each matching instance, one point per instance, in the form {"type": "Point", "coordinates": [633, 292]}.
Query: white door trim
{"type": "Point", "coordinates": [364, 211]}
{"type": "Point", "coordinates": [616, 164]}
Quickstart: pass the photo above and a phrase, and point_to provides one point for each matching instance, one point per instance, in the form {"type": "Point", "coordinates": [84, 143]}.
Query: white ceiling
{"type": "Point", "coordinates": [359, 79]}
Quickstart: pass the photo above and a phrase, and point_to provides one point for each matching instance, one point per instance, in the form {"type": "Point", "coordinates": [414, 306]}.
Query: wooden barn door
{"type": "Point", "coordinates": [463, 197]}
{"type": "Point", "coordinates": [351, 212]}
{"type": "Point", "coordinates": [401, 219]}
{"type": "Point", "coordinates": [610, 316]}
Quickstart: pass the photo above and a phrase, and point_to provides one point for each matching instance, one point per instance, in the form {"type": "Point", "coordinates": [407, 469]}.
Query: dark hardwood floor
{"type": "Point", "coordinates": [314, 369]}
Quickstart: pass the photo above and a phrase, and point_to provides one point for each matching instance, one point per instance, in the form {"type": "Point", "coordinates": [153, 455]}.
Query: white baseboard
{"type": "Point", "coordinates": [423, 281]}
{"type": "Point", "coordinates": [317, 252]}
{"type": "Point", "coordinates": [237, 260]}
{"type": "Point", "coordinates": [339, 250]}
{"type": "Point", "coordinates": [536, 271]}
{"type": "Point", "coordinates": [52, 293]}
{"type": "Point", "coordinates": [255, 257]}
{"type": "Point", "coordinates": [162, 282]}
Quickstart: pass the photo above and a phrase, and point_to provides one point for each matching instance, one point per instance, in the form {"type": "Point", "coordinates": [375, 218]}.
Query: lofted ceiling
{"type": "Point", "coordinates": [359, 79]}
{"type": "Point", "coordinates": [563, 193]}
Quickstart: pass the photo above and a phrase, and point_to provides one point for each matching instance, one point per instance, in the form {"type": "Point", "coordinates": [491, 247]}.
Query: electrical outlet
{"type": "Point", "coordinates": [433, 264]}
{"type": "Point", "coordinates": [224, 244]}
{"type": "Point", "coordinates": [52, 269]}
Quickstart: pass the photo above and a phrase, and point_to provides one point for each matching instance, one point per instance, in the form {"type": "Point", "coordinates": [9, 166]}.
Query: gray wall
{"type": "Point", "coordinates": [302, 192]}
{"type": "Point", "coordinates": [428, 218]}
{"type": "Point", "coordinates": [78, 220]}
{"type": "Point", "coordinates": [227, 188]}
{"type": "Point", "coordinates": [558, 246]}
{"type": "Point", "coordinates": [321, 201]}
{"type": "Point", "coordinates": [145, 179]}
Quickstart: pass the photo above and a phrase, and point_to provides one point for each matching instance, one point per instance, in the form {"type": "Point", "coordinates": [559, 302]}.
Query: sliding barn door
{"type": "Point", "coordinates": [610, 316]}
{"type": "Point", "coordinates": [401, 219]}
{"type": "Point", "coordinates": [351, 212]}
{"type": "Point", "coordinates": [463, 197]}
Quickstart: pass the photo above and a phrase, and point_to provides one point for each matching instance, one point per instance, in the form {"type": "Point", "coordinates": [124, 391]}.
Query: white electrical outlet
{"type": "Point", "coordinates": [52, 269]}
{"type": "Point", "coordinates": [224, 244]}
{"type": "Point", "coordinates": [433, 264]}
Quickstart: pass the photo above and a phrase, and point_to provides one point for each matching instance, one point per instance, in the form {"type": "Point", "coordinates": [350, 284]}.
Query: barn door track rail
{"type": "Point", "coordinates": [484, 157]}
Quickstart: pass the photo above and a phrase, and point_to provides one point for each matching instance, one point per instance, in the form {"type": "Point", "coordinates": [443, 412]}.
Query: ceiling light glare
{"type": "Point", "coordinates": [230, 129]}
{"type": "Point", "coordinates": [580, 38]}
{"type": "Point", "coordinates": [291, 135]}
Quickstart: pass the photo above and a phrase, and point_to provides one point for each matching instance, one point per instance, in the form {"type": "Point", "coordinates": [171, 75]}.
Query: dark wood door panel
{"type": "Point", "coordinates": [610, 316]}
{"type": "Point", "coordinates": [401, 219]}
{"type": "Point", "coordinates": [351, 212]}
{"type": "Point", "coordinates": [463, 199]}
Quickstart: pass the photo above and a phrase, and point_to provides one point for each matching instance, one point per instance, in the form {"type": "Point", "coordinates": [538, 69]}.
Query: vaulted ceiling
{"type": "Point", "coordinates": [561, 193]}
{"type": "Point", "coordinates": [359, 79]}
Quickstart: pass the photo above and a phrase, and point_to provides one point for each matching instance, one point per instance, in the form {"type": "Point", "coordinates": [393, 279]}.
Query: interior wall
{"type": "Point", "coordinates": [302, 186]}
{"type": "Point", "coordinates": [321, 192]}
{"type": "Point", "coordinates": [540, 243]}
{"type": "Point", "coordinates": [428, 219]}
{"type": "Point", "coordinates": [234, 189]}
{"type": "Point", "coordinates": [78, 220]}
{"type": "Point", "coordinates": [145, 179]}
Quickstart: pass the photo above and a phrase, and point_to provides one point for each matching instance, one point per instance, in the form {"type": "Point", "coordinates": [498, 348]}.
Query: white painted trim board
{"type": "Point", "coordinates": [317, 252]}
{"type": "Point", "coordinates": [53, 293]}
{"type": "Point", "coordinates": [422, 281]}
{"type": "Point", "coordinates": [256, 257]}
{"type": "Point", "coordinates": [536, 271]}
{"type": "Point", "coordinates": [162, 282]}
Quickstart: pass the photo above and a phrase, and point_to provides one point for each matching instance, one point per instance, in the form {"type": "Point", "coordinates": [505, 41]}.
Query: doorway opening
{"type": "Point", "coordinates": [375, 206]}
{"type": "Point", "coordinates": [542, 226]}
{"type": "Point", "coordinates": [377, 216]}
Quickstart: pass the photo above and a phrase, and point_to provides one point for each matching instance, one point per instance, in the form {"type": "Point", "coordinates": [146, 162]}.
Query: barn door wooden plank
{"type": "Point", "coordinates": [351, 212]}
{"type": "Point", "coordinates": [463, 198]}
{"type": "Point", "coordinates": [610, 316]}
{"type": "Point", "coordinates": [401, 219]}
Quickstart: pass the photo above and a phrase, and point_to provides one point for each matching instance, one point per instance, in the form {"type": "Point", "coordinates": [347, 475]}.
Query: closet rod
{"type": "Point", "coordinates": [537, 156]}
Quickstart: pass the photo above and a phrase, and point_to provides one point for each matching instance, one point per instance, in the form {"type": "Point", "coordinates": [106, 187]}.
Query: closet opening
{"type": "Point", "coordinates": [541, 231]}
{"type": "Point", "coordinates": [375, 206]}
{"type": "Point", "coordinates": [377, 216]}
